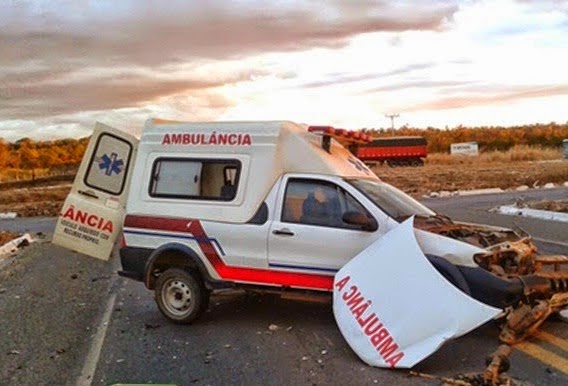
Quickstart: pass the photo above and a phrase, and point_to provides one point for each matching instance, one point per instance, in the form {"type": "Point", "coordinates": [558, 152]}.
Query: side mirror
{"type": "Point", "coordinates": [360, 219]}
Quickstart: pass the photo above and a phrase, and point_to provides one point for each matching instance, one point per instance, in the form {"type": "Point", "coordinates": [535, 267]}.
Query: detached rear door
{"type": "Point", "coordinates": [92, 215]}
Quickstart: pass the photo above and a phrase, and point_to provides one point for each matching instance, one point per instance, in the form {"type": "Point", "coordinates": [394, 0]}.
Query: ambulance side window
{"type": "Point", "coordinates": [197, 179]}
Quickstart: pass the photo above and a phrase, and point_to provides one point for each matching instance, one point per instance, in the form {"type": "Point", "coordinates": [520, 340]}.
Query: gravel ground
{"type": "Point", "coordinates": [48, 299]}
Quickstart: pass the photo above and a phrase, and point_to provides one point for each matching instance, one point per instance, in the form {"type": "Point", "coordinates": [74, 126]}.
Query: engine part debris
{"type": "Point", "coordinates": [497, 364]}
{"type": "Point", "coordinates": [538, 285]}
{"type": "Point", "coordinates": [523, 321]}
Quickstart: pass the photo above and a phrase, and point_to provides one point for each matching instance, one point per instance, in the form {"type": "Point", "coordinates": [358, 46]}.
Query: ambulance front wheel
{"type": "Point", "coordinates": [181, 295]}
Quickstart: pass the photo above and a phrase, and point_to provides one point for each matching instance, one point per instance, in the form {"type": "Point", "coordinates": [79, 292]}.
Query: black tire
{"type": "Point", "coordinates": [416, 162]}
{"type": "Point", "coordinates": [181, 295]}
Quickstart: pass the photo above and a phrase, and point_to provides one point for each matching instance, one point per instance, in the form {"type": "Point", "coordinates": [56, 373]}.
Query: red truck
{"type": "Point", "coordinates": [395, 151]}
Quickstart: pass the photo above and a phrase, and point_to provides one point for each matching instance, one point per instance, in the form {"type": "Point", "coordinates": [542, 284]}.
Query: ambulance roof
{"type": "Point", "coordinates": [296, 149]}
{"type": "Point", "coordinates": [271, 147]}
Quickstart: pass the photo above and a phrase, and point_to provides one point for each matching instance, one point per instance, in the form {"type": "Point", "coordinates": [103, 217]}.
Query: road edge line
{"type": "Point", "coordinates": [92, 359]}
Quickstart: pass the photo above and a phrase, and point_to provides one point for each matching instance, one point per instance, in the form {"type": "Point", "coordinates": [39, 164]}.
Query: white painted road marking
{"type": "Point", "coordinates": [92, 359]}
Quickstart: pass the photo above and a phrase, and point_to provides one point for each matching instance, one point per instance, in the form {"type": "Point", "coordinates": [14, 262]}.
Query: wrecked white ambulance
{"type": "Point", "coordinates": [203, 206]}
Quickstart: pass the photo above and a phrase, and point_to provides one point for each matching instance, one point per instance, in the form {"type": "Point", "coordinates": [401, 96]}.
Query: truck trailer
{"type": "Point", "coordinates": [394, 151]}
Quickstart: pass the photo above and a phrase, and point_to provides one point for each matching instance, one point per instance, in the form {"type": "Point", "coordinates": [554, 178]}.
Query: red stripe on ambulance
{"type": "Point", "coordinates": [226, 272]}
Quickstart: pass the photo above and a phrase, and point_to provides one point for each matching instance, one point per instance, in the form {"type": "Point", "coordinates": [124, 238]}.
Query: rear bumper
{"type": "Point", "coordinates": [133, 262]}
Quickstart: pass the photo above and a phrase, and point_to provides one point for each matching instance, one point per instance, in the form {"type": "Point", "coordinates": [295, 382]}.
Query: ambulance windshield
{"type": "Point", "coordinates": [390, 200]}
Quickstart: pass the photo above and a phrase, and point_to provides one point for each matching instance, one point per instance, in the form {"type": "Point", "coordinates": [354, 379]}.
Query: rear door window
{"type": "Point", "coordinates": [109, 164]}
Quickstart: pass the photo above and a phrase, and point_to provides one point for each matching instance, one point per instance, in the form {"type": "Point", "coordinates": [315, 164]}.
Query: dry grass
{"type": "Point", "coordinates": [515, 154]}
{"type": "Point", "coordinates": [31, 202]}
{"type": "Point", "coordinates": [27, 195]}
{"type": "Point", "coordinates": [451, 177]}
{"type": "Point", "coordinates": [416, 181]}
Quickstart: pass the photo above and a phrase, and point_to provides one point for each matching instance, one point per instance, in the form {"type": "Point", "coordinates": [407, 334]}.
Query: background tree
{"type": "Point", "coordinates": [4, 153]}
{"type": "Point", "coordinates": [29, 156]}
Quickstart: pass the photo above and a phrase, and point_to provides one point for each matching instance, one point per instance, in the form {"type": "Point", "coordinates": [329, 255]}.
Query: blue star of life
{"type": "Point", "coordinates": [111, 164]}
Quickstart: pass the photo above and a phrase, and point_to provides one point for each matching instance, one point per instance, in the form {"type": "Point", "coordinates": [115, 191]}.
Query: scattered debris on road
{"type": "Point", "coordinates": [151, 326]}
{"type": "Point", "coordinates": [550, 205]}
{"type": "Point", "coordinates": [11, 242]}
{"type": "Point", "coordinates": [6, 236]}
{"type": "Point", "coordinates": [516, 210]}
{"type": "Point", "coordinates": [495, 374]}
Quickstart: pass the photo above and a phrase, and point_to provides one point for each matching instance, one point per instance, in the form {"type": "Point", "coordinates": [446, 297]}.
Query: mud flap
{"type": "Point", "coordinates": [393, 307]}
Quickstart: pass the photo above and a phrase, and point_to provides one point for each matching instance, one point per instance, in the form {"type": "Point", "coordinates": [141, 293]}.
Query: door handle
{"type": "Point", "coordinates": [88, 193]}
{"type": "Point", "coordinates": [283, 232]}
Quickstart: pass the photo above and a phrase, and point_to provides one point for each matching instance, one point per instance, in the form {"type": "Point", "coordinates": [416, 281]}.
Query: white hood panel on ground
{"type": "Point", "coordinates": [393, 307]}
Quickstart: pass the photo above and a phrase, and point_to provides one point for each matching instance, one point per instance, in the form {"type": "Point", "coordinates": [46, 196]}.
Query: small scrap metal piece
{"type": "Point", "coordinates": [497, 363]}
{"type": "Point", "coordinates": [523, 321]}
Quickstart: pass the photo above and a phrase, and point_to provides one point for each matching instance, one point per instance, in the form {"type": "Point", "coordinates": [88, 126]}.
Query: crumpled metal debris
{"type": "Point", "coordinates": [512, 255]}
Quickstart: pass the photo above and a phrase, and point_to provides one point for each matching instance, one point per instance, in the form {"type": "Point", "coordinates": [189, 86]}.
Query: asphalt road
{"type": "Point", "coordinates": [67, 319]}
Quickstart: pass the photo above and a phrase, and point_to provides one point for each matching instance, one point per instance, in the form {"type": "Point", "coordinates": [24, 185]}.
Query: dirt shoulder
{"type": "Point", "coordinates": [34, 201]}
{"type": "Point", "coordinates": [508, 175]}
{"type": "Point", "coordinates": [28, 200]}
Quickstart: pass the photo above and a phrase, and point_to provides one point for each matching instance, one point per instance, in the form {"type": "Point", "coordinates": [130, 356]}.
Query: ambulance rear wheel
{"type": "Point", "coordinates": [181, 295]}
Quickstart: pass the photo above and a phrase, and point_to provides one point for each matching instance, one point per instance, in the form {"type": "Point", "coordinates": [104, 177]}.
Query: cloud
{"type": "Point", "coordinates": [434, 84]}
{"type": "Point", "coordinates": [336, 79]}
{"type": "Point", "coordinates": [36, 94]}
{"type": "Point", "coordinates": [148, 36]}
{"type": "Point", "coordinates": [492, 96]}
{"type": "Point", "coordinates": [63, 58]}
{"type": "Point", "coordinates": [204, 107]}
{"type": "Point", "coordinates": [64, 64]}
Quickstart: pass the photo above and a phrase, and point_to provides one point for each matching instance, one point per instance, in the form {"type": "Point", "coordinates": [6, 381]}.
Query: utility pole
{"type": "Point", "coordinates": [392, 117]}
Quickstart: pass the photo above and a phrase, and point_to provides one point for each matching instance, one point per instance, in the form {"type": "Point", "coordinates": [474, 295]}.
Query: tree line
{"type": "Point", "coordinates": [487, 137]}
{"type": "Point", "coordinates": [29, 154]}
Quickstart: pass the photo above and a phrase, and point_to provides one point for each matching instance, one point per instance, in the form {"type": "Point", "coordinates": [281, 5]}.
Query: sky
{"type": "Point", "coordinates": [66, 64]}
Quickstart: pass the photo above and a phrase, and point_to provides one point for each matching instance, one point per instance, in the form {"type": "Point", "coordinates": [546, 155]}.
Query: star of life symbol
{"type": "Point", "coordinates": [110, 164]}
{"type": "Point", "coordinates": [358, 165]}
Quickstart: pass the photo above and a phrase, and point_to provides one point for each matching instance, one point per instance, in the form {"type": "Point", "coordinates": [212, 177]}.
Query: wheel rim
{"type": "Point", "coordinates": [177, 297]}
